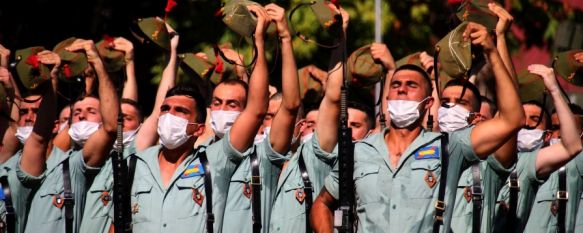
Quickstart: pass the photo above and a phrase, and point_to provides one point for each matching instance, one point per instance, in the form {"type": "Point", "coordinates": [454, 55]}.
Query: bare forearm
{"type": "Point", "coordinates": [291, 94]}
{"type": "Point", "coordinates": [506, 91]}
{"type": "Point", "coordinates": [130, 89]}
{"type": "Point", "coordinates": [506, 59]}
{"type": "Point", "coordinates": [321, 218]}
{"type": "Point", "coordinates": [109, 102]}
{"type": "Point", "coordinates": [569, 132]}
{"type": "Point", "coordinates": [258, 84]}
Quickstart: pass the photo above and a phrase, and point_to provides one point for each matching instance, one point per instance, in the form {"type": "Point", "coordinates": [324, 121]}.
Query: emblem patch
{"type": "Point", "coordinates": [247, 190]}
{"type": "Point", "coordinates": [105, 198]}
{"type": "Point", "coordinates": [300, 195]}
{"type": "Point", "coordinates": [193, 170]}
{"type": "Point", "coordinates": [197, 196]}
{"type": "Point", "coordinates": [428, 152]}
{"type": "Point", "coordinates": [468, 194]}
{"type": "Point", "coordinates": [430, 179]}
{"type": "Point", "coordinates": [58, 201]}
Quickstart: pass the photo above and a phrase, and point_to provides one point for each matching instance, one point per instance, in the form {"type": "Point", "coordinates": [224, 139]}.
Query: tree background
{"type": "Point", "coordinates": [408, 26]}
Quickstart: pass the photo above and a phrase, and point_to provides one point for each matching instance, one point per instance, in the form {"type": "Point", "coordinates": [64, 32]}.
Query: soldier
{"type": "Point", "coordinates": [181, 189]}
{"type": "Point", "coordinates": [249, 201]}
{"type": "Point", "coordinates": [57, 205]}
{"type": "Point", "coordinates": [397, 192]}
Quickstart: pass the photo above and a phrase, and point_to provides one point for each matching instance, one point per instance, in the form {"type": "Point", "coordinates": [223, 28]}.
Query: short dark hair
{"type": "Point", "coordinates": [418, 69]}
{"type": "Point", "coordinates": [134, 104]}
{"type": "Point", "coordinates": [546, 116]}
{"type": "Point", "coordinates": [370, 117]}
{"type": "Point", "coordinates": [493, 106]}
{"type": "Point", "coordinates": [235, 82]}
{"type": "Point", "coordinates": [183, 90]}
{"type": "Point", "coordinates": [468, 85]}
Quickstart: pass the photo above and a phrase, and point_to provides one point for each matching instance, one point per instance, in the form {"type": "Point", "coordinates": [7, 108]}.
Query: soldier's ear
{"type": "Point", "coordinates": [199, 130]}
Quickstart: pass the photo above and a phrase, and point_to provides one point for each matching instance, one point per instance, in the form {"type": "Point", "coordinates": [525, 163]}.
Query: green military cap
{"type": "Point", "coordinates": [30, 70]}
{"type": "Point", "coordinates": [238, 18]}
{"type": "Point", "coordinates": [455, 54]}
{"type": "Point", "coordinates": [326, 16]}
{"type": "Point", "coordinates": [73, 64]}
{"type": "Point", "coordinates": [222, 70]}
{"type": "Point", "coordinates": [412, 59]}
{"type": "Point", "coordinates": [155, 30]}
{"type": "Point", "coordinates": [362, 69]}
{"type": "Point", "coordinates": [307, 81]}
{"type": "Point", "coordinates": [530, 86]}
{"type": "Point", "coordinates": [113, 60]}
{"type": "Point", "coordinates": [196, 65]}
{"type": "Point", "coordinates": [569, 68]}
{"type": "Point", "coordinates": [477, 11]}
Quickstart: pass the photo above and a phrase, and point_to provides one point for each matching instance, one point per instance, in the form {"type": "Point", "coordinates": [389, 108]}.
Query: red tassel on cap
{"type": "Point", "coordinates": [108, 41]}
{"type": "Point", "coordinates": [67, 70]}
{"type": "Point", "coordinates": [219, 65]}
{"type": "Point", "coordinates": [169, 5]}
{"type": "Point", "coordinates": [33, 61]}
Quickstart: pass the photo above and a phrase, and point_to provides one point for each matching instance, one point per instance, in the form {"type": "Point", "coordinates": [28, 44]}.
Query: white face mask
{"type": "Point", "coordinates": [22, 133]}
{"type": "Point", "coordinates": [82, 130]}
{"type": "Point", "coordinates": [452, 118]}
{"type": "Point", "coordinates": [62, 126]}
{"type": "Point", "coordinates": [221, 121]}
{"type": "Point", "coordinates": [404, 112]}
{"type": "Point", "coordinates": [172, 131]}
{"type": "Point", "coordinates": [307, 137]}
{"type": "Point", "coordinates": [555, 141]}
{"type": "Point", "coordinates": [128, 137]}
{"type": "Point", "coordinates": [530, 139]}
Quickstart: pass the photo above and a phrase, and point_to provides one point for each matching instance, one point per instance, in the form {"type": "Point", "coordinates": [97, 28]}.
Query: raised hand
{"type": "Point", "coordinates": [263, 20]}
{"type": "Point", "coordinates": [4, 56]}
{"type": "Point", "coordinates": [277, 15]}
{"type": "Point", "coordinates": [380, 52]}
{"type": "Point", "coordinates": [478, 35]}
{"type": "Point", "coordinates": [50, 58]}
{"type": "Point", "coordinates": [579, 57]}
{"type": "Point", "coordinates": [548, 75]}
{"type": "Point", "coordinates": [125, 46]}
{"type": "Point", "coordinates": [504, 18]}
{"type": "Point", "coordinates": [88, 46]}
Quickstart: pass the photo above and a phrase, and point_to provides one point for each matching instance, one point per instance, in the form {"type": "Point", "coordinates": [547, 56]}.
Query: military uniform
{"type": "Point", "coordinates": [47, 212]}
{"type": "Point", "coordinates": [402, 198]}
{"type": "Point", "coordinates": [21, 186]}
{"type": "Point", "coordinates": [288, 213]}
{"type": "Point", "coordinates": [493, 177]}
{"type": "Point", "coordinates": [181, 206]}
{"type": "Point", "coordinates": [529, 184]}
{"type": "Point", "coordinates": [238, 209]}
{"type": "Point", "coordinates": [98, 212]}
{"type": "Point", "coordinates": [543, 217]}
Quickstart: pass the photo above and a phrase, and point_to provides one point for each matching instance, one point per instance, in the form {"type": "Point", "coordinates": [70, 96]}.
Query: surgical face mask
{"type": "Point", "coordinates": [452, 118]}
{"type": "Point", "coordinates": [530, 139]}
{"type": "Point", "coordinates": [172, 131]}
{"type": "Point", "coordinates": [307, 137]}
{"type": "Point", "coordinates": [555, 141]}
{"type": "Point", "coordinates": [62, 126]}
{"type": "Point", "coordinates": [404, 112]}
{"type": "Point", "coordinates": [22, 133]}
{"type": "Point", "coordinates": [128, 137]}
{"type": "Point", "coordinates": [82, 130]}
{"type": "Point", "coordinates": [221, 121]}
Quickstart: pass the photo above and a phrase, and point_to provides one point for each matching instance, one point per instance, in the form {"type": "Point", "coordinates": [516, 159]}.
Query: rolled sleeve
{"type": "Point", "coordinates": [232, 154]}
{"type": "Point", "coordinates": [529, 166]}
{"type": "Point", "coordinates": [273, 156]}
{"type": "Point", "coordinates": [78, 164]}
{"type": "Point", "coordinates": [460, 143]}
{"type": "Point", "coordinates": [26, 179]}
{"type": "Point", "coordinates": [497, 167]}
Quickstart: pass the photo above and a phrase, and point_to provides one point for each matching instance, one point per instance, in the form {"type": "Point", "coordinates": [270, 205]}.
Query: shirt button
{"type": "Point", "coordinates": [394, 206]}
{"type": "Point", "coordinates": [164, 225]}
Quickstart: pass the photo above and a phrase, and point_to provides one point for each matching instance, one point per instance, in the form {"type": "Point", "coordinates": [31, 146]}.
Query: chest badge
{"type": "Point", "coordinates": [430, 179]}
{"type": "Point", "coordinates": [193, 170]}
{"type": "Point", "coordinates": [58, 201]}
{"type": "Point", "coordinates": [554, 208]}
{"type": "Point", "coordinates": [247, 190]}
{"type": "Point", "coordinates": [300, 195]}
{"type": "Point", "coordinates": [135, 208]}
{"type": "Point", "coordinates": [105, 198]}
{"type": "Point", "coordinates": [427, 152]}
{"type": "Point", "coordinates": [197, 196]}
{"type": "Point", "coordinates": [468, 194]}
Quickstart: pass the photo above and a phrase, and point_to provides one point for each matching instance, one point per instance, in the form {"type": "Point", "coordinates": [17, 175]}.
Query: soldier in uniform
{"type": "Point", "coordinates": [396, 172]}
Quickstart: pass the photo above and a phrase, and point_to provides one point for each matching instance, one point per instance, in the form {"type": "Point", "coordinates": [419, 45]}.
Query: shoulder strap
{"type": "Point", "coordinates": [562, 197]}
{"type": "Point", "coordinates": [440, 204]}
{"type": "Point", "coordinates": [68, 196]}
{"type": "Point", "coordinates": [208, 189]}
{"type": "Point", "coordinates": [308, 189]}
{"type": "Point", "coordinates": [10, 223]}
{"type": "Point", "coordinates": [514, 186]}
{"type": "Point", "coordinates": [256, 192]}
{"type": "Point", "coordinates": [477, 197]}
{"type": "Point", "coordinates": [132, 170]}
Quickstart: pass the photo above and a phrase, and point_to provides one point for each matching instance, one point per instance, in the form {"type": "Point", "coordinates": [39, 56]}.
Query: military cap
{"type": "Point", "coordinates": [530, 86]}
{"type": "Point", "coordinates": [569, 68]}
{"type": "Point", "coordinates": [455, 54]}
{"type": "Point", "coordinates": [223, 70]}
{"type": "Point", "coordinates": [412, 59]}
{"type": "Point", "coordinates": [154, 29]}
{"type": "Point", "coordinates": [113, 60]}
{"type": "Point", "coordinates": [30, 70]}
{"type": "Point", "coordinates": [362, 68]}
{"type": "Point", "coordinates": [326, 16]}
{"type": "Point", "coordinates": [197, 66]}
{"type": "Point", "coordinates": [73, 64]}
{"type": "Point", "coordinates": [477, 11]}
{"type": "Point", "coordinates": [307, 81]}
{"type": "Point", "coordinates": [238, 18]}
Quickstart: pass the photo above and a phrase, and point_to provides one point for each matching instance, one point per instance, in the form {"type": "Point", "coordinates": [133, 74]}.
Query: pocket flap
{"type": "Point", "coordinates": [143, 188]}
{"type": "Point", "coordinates": [191, 182]}
{"type": "Point", "coordinates": [427, 164]}
{"type": "Point", "coordinates": [50, 191]}
{"type": "Point", "coordinates": [362, 171]}
{"type": "Point", "coordinates": [545, 195]}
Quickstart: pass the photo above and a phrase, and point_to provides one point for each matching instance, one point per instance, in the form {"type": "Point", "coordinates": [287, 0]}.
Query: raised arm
{"type": "Point", "coordinates": [504, 22]}
{"type": "Point", "coordinates": [10, 143]}
{"type": "Point", "coordinates": [329, 111]}
{"type": "Point", "coordinates": [130, 88]}
{"type": "Point", "coordinates": [244, 128]}
{"type": "Point", "coordinates": [98, 146]}
{"type": "Point", "coordinates": [490, 135]}
{"type": "Point", "coordinates": [148, 135]}
{"type": "Point", "coordinates": [283, 122]}
{"type": "Point", "coordinates": [551, 158]}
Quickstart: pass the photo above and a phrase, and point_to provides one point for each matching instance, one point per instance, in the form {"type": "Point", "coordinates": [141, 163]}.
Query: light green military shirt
{"type": "Point", "coordinates": [492, 177]}
{"type": "Point", "coordinates": [528, 183]}
{"type": "Point", "coordinates": [402, 198]}
{"type": "Point", "coordinates": [238, 210]}
{"type": "Point", "coordinates": [181, 206]}
{"type": "Point", "coordinates": [542, 218]}
{"type": "Point", "coordinates": [21, 185]}
{"type": "Point", "coordinates": [288, 213]}
{"type": "Point", "coordinates": [98, 211]}
{"type": "Point", "coordinates": [45, 214]}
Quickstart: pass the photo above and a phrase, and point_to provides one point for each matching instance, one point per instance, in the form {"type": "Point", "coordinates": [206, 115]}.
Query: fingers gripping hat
{"type": "Point", "coordinates": [307, 82]}
{"type": "Point", "coordinates": [455, 54]}
{"type": "Point", "coordinates": [362, 68]}
{"type": "Point", "coordinates": [30, 70]}
{"type": "Point", "coordinates": [477, 11]}
{"type": "Point", "coordinates": [530, 86]}
{"type": "Point", "coordinates": [73, 63]}
{"type": "Point", "coordinates": [238, 18]}
{"type": "Point", "coordinates": [569, 68]}
{"type": "Point", "coordinates": [326, 16]}
{"type": "Point", "coordinates": [112, 59]}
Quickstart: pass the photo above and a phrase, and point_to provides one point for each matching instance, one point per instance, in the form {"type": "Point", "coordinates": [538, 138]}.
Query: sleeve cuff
{"type": "Point", "coordinates": [27, 179]}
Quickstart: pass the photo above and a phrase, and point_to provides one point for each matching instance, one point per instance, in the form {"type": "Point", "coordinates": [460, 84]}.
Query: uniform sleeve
{"type": "Point", "coordinates": [270, 154]}
{"type": "Point", "coordinates": [231, 153]}
{"type": "Point", "coordinates": [579, 163]}
{"type": "Point", "coordinates": [77, 164]}
{"type": "Point", "coordinates": [24, 178]}
{"type": "Point", "coordinates": [527, 168]}
{"type": "Point", "coordinates": [497, 168]}
{"type": "Point", "coordinates": [460, 143]}
{"type": "Point", "coordinates": [313, 146]}
{"type": "Point", "coordinates": [331, 182]}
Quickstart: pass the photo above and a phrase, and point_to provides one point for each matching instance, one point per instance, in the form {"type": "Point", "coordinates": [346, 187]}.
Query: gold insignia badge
{"type": "Point", "coordinates": [430, 179]}
{"type": "Point", "coordinates": [58, 201]}
{"type": "Point", "coordinates": [105, 198]}
{"type": "Point", "coordinates": [300, 195]}
{"type": "Point", "coordinates": [197, 196]}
